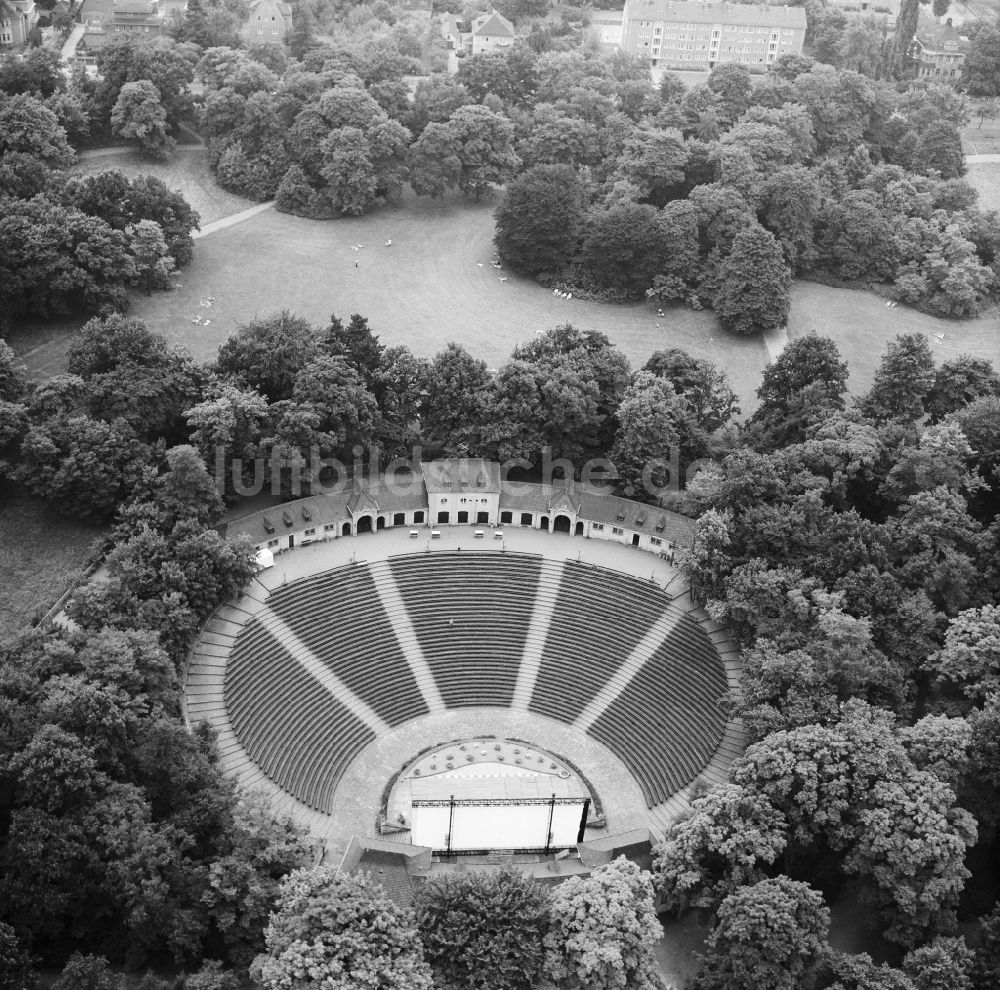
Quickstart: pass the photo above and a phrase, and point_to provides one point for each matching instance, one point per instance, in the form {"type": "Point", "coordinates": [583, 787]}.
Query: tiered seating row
{"type": "Point", "coordinates": [666, 724]}
{"type": "Point", "coordinates": [288, 723]}
{"type": "Point", "coordinates": [339, 616]}
{"type": "Point", "coordinates": [600, 616]}
{"type": "Point", "coordinates": [470, 612]}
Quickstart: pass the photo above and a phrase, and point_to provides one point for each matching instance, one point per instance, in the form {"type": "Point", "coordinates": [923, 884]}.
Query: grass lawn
{"type": "Point", "coordinates": [862, 325]}
{"type": "Point", "coordinates": [435, 284]}
{"type": "Point", "coordinates": [187, 173]}
{"type": "Point", "coordinates": [984, 177]}
{"type": "Point", "coordinates": [40, 551]}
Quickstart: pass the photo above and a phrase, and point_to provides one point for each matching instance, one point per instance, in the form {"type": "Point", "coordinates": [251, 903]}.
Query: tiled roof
{"type": "Point", "coordinates": [493, 25]}
{"type": "Point", "coordinates": [362, 501]}
{"type": "Point", "coordinates": [689, 11]}
{"type": "Point", "coordinates": [461, 474]}
{"type": "Point", "coordinates": [408, 493]}
{"type": "Point", "coordinates": [942, 38]}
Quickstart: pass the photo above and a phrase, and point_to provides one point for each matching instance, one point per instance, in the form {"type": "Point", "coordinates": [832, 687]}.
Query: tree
{"type": "Point", "coordinates": [970, 656]}
{"type": "Point", "coordinates": [226, 427]}
{"type": "Point", "coordinates": [334, 930]}
{"type": "Point", "coordinates": [132, 59]}
{"type": "Point", "coordinates": [154, 267]}
{"type": "Point", "coordinates": [603, 928]}
{"type": "Point", "coordinates": [940, 149]}
{"type": "Point", "coordinates": [682, 266]}
{"type": "Point", "coordinates": [86, 972]}
{"type": "Point", "coordinates": [728, 843]}
{"type": "Point", "coordinates": [123, 202]}
{"type": "Point", "coordinates": [943, 964]}
{"type": "Point", "coordinates": [483, 146]}
{"type": "Point", "coordinates": [902, 381]}
{"type": "Point", "coordinates": [703, 386]}
{"type": "Point", "coordinates": [790, 204]}
{"type": "Point", "coordinates": [349, 171]}
{"type": "Point", "coordinates": [981, 66]}
{"type": "Point", "coordinates": [653, 160]}
{"type": "Point", "coordinates": [84, 466]}
{"type": "Point", "coordinates": [456, 393]}
{"type": "Point", "coordinates": [138, 114]}
{"type": "Point", "coordinates": [16, 972]}
{"type": "Point", "coordinates": [769, 936]}
{"type": "Point", "coordinates": [57, 260]}
{"type": "Point", "coordinates": [484, 929]}
{"type": "Point", "coordinates": [656, 435]}
{"type": "Point", "coordinates": [13, 375]}
{"type": "Point", "coordinates": [959, 382]}
{"type": "Point", "coordinates": [541, 219]}
{"type": "Point", "coordinates": [243, 884]}
{"type": "Point", "coordinates": [910, 855]}
{"type": "Point", "coordinates": [28, 127]}
{"type": "Point", "coordinates": [626, 248]}
{"type": "Point", "coordinates": [433, 161]}
{"type": "Point", "coordinates": [267, 354]}
{"type": "Point", "coordinates": [754, 283]}
{"type": "Point", "coordinates": [805, 362]}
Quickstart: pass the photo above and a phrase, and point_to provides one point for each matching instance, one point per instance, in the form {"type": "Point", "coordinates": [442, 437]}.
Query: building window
{"type": "Point", "coordinates": [656, 541]}
{"type": "Point", "coordinates": [598, 526]}
{"type": "Point", "coordinates": [329, 526]}
{"type": "Point", "coordinates": [272, 543]}
{"type": "Point", "coordinates": [310, 532]}
{"type": "Point", "coordinates": [617, 531]}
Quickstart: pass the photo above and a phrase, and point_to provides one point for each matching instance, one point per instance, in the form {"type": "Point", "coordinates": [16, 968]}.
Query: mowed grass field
{"type": "Point", "coordinates": [436, 284]}
{"type": "Point", "coordinates": [187, 173]}
{"type": "Point", "coordinates": [40, 550]}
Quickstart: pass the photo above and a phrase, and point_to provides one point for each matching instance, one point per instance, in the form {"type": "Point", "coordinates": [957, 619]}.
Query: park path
{"type": "Point", "coordinates": [981, 159]}
{"type": "Point", "coordinates": [233, 218]}
{"type": "Point", "coordinates": [69, 47]}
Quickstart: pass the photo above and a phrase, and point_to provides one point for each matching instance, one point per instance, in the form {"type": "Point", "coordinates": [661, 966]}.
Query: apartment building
{"type": "Point", "coordinates": [684, 34]}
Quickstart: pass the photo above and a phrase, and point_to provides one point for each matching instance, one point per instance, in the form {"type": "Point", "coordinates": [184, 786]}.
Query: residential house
{"type": "Point", "coordinates": [939, 52]}
{"type": "Point", "coordinates": [682, 34]}
{"type": "Point", "coordinates": [17, 18]}
{"type": "Point", "coordinates": [103, 22]}
{"type": "Point", "coordinates": [270, 22]}
{"type": "Point", "coordinates": [491, 32]}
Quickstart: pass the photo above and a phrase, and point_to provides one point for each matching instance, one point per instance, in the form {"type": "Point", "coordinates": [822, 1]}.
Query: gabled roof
{"type": "Point", "coordinates": [564, 501]}
{"type": "Point", "coordinates": [362, 501]}
{"type": "Point", "coordinates": [461, 474]}
{"type": "Point", "coordinates": [689, 11]}
{"type": "Point", "coordinates": [942, 38]}
{"type": "Point", "coordinates": [493, 24]}
{"type": "Point", "coordinates": [283, 8]}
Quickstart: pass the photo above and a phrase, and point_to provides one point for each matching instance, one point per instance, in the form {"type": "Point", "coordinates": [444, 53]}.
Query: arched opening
{"type": "Point", "coordinates": [561, 524]}
{"type": "Point", "coordinates": [380, 524]}
{"type": "Point", "coordinates": [579, 529]}
{"type": "Point", "coordinates": [506, 518]}
{"type": "Point", "coordinates": [526, 519]}
{"type": "Point", "coordinates": [482, 517]}
{"type": "Point", "coordinates": [345, 530]}
{"type": "Point", "coordinates": [443, 517]}
{"type": "Point", "coordinates": [635, 539]}
{"type": "Point", "coordinates": [543, 523]}
{"type": "Point", "coordinates": [365, 524]}
{"type": "Point", "coordinates": [399, 519]}
{"type": "Point", "coordinates": [463, 516]}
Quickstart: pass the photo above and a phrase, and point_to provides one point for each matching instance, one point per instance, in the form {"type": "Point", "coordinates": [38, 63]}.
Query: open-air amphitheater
{"type": "Point", "coordinates": [476, 642]}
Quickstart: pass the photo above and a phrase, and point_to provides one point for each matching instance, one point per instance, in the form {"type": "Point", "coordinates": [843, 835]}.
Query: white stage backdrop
{"type": "Point", "coordinates": [478, 825]}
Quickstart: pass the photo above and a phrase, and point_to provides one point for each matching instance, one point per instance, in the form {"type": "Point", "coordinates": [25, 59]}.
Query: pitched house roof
{"type": "Point", "coordinates": [692, 12]}
{"type": "Point", "coordinates": [493, 25]}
